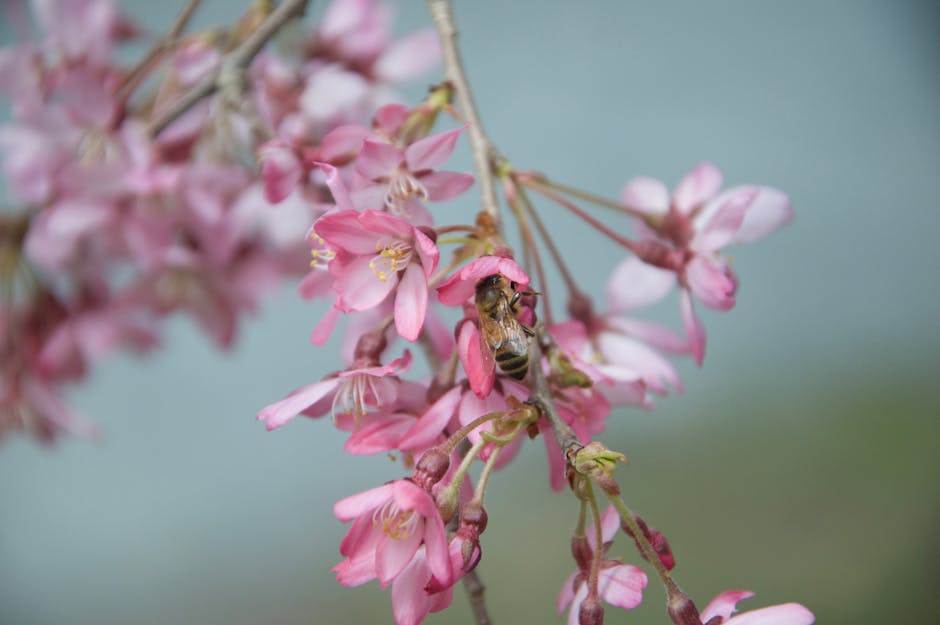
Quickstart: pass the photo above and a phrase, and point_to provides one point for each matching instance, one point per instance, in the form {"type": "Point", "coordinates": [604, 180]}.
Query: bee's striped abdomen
{"type": "Point", "coordinates": [512, 364]}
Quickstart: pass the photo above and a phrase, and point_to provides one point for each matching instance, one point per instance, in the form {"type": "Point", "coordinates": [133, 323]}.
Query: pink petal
{"type": "Point", "coordinates": [694, 330]}
{"type": "Point", "coordinates": [410, 602]}
{"type": "Point", "coordinates": [279, 413]}
{"type": "Point", "coordinates": [655, 370]}
{"type": "Point", "coordinates": [379, 436]}
{"type": "Point", "coordinates": [646, 195]}
{"type": "Point", "coordinates": [389, 119]}
{"type": "Point", "coordinates": [653, 334]}
{"type": "Point", "coordinates": [566, 594]}
{"type": "Point", "coordinates": [411, 302]}
{"type": "Point", "coordinates": [336, 186]}
{"type": "Point", "coordinates": [635, 284]}
{"type": "Point", "coordinates": [784, 614]}
{"type": "Point", "coordinates": [610, 523]}
{"type": "Point", "coordinates": [378, 160]}
{"type": "Point", "coordinates": [724, 605]}
{"type": "Point", "coordinates": [697, 187]}
{"type": "Point", "coordinates": [331, 92]}
{"type": "Point", "coordinates": [409, 57]}
{"type": "Point", "coordinates": [712, 282]}
{"type": "Point", "coordinates": [324, 328]}
{"type": "Point", "coordinates": [723, 223]}
{"type": "Point", "coordinates": [342, 230]}
{"type": "Point", "coordinates": [360, 288]}
{"type": "Point", "coordinates": [428, 252]}
{"type": "Point", "coordinates": [315, 284]}
{"type": "Point", "coordinates": [429, 427]}
{"type": "Point", "coordinates": [393, 554]}
{"type": "Point", "coordinates": [622, 586]}
{"type": "Point", "coordinates": [622, 386]}
{"type": "Point", "coordinates": [477, 359]}
{"type": "Point", "coordinates": [362, 503]}
{"type": "Point", "coordinates": [446, 185]}
{"type": "Point", "coordinates": [462, 285]}
{"type": "Point", "coordinates": [280, 171]}
{"type": "Point", "coordinates": [769, 210]}
{"type": "Point", "coordinates": [573, 612]}
{"type": "Point", "coordinates": [556, 461]}
{"type": "Point", "coordinates": [441, 336]}
{"type": "Point", "coordinates": [382, 223]}
{"type": "Point", "coordinates": [432, 151]}
{"type": "Point", "coordinates": [342, 142]}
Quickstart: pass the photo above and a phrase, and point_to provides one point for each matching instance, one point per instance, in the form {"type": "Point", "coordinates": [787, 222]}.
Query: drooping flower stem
{"type": "Point", "coordinates": [233, 65]}
{"type": "Point", "coordinates": [549, 242]}
{"type": "Point", "coordinates": [591, 221]}
{"type": "Point", "coordinates": [587, 196]}
{"type": "Point", "coordinates": [462, 433]}
{"type": "Point", "coordinates": [484, 154]}
{"type": "Point", "coordinates": [598, 554]}
{"type": "Point", "coordinates": [529, 246]}
{"type": "Point", "coordinates": [163, 45]}
{"type": "Point", "coordinates": [649, 554]}
{"type": "Point", "coordinates": [480, 490]}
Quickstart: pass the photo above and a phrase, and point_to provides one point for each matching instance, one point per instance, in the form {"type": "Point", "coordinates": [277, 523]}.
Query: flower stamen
{"type": "Point", "coordinates": [391, 258]}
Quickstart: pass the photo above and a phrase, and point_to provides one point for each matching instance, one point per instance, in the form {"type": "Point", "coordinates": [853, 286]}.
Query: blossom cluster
{"type": "Point", "coordinates": [117, 219]}
{"type": "Point", "coordinates": [378, 256]}
{"type": "Point", "coordinates": [202, 176]}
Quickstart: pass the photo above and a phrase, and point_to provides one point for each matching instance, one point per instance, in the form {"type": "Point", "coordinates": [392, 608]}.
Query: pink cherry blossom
{"type": "Point", "coordinates": [400, 179]}
{"type": "Point", "coordinates": [356, 390]}
{"type": "Point", "coordinates": [378, 254]}
{"type": "Point", "coordinates": [390, 523]}
{"type": "Point", "coordinates": [620, 585]}
{"type": "Point", "coordinates": [719, 612]}
{"type": "Point", "coordinates": [684, 234]}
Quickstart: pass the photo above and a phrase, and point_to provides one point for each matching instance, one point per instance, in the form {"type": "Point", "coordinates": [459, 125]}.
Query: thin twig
{"type": "Point", "coordinates": [165, 43]}
{"type": "Point", "coordinates": [475, 594]}
{"type": "Point", "coordinates": [233, 64]}
{"type": "Point", "coordinates": [542, 397]}
{"type": "Point", "coordinates": [484, 154]}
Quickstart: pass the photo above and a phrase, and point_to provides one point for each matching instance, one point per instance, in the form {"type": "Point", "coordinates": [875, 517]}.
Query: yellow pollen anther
{"type": "Point", "coordinates": [391, 258]}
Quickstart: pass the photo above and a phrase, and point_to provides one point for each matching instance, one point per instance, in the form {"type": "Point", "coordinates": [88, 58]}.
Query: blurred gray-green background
{"type": "Point", "coordinates": [802, 462]}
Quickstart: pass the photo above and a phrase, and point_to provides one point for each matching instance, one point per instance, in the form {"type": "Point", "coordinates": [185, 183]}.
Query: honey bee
{"type": "Point", "coordinates": [504, 337]}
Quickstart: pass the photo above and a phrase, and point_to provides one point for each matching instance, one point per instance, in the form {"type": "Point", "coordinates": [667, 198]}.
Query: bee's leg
{"type": "Point", "coordinates": [527, 330]}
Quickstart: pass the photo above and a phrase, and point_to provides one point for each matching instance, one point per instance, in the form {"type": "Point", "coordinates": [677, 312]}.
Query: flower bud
{"type": "Point", "coordinates": [473, 518]}
{"type": "Point", "coordinates": [370, 346]}
{"type": "Point", "coordinates": [431, 468]}
{"type": "Point", "coordinates": [682, 610]}
{"type": "Point", "coordinates": [591, 612]}
{"type": "Point", "coordinates": [581, 551]}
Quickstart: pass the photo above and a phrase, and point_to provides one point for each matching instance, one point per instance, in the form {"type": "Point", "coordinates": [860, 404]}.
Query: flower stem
{"type": "Point", "coordinates": [484, 154]}
{"type": "Point", "coordinates": [160, 47]}
{"type": "Point", "coordinates": [649, 554]}
{"type": "Point", "coordinates": [591, 221]}
{"type": "Point", "coordinates": [462, 433]}
{"type": "Point", "coordinates": [480, 490]}
{"type": "Point", "coordinates": [549, 242]}
{"type": "Point", "coordinates": [598, 554]}
{"type": "Point", "coordinates": [233, 63]}
{"type": "Point", "coordinates": [531, 249]}
{"type": "Point", "coordinates": [587, 196]}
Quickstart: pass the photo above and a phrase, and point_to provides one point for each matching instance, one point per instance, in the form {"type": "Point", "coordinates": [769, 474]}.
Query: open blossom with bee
{"type": "Point", "coordinates": [148, 206]}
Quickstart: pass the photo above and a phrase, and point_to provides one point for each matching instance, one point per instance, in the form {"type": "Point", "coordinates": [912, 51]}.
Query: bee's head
{"type": "Point", "coordinates": [489, 282]}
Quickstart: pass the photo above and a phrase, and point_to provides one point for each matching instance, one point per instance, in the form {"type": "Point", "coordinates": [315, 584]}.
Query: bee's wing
{"type": "Point", "coordinates": [488, 361]}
